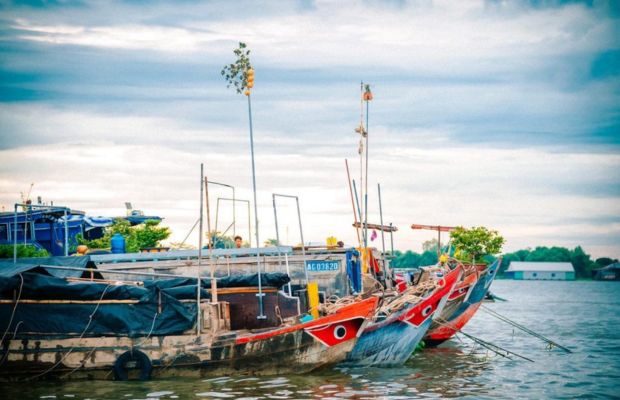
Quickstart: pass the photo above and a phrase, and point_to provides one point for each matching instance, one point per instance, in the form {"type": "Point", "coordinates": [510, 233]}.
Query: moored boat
{"type": "Point", "coordinates": [392, 336]}
{"type": "Point", "coordinates": [73, 327]}
{"type": "Point", "coordinates": [449, 326]}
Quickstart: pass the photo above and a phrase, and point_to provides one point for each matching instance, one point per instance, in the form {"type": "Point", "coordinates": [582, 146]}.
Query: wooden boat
{"type": "Point", "coordinates": [390, 339]}
{"type": "Point", "coordinates": [96, 329]}
{"type": "Point", "coordinates": [449, 326]}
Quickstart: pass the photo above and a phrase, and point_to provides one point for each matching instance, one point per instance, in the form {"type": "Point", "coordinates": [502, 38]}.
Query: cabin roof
{"type": "Point", "coordinates": [539, 266]}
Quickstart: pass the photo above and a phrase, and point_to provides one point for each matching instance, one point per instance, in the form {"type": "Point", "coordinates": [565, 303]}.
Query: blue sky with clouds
{"type": "Point", "coordinates": [504, 114]}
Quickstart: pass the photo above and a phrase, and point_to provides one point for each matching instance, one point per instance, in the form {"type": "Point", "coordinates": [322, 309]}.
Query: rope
{"type": "Point", "coordinates": [5, 356]}
{"type": "Point", "coordinates": [334, 303]}
{"type": "Point", "coordinates": [524, 329]}
{"type": "Point", "coordinates": [487, 345]}
{"type": "Point", "coordinates": [19, 295]}
{"type": "Point", "coordinates": [95, 348]}
{"type": "Point", "coordinates": [90, 320]}
{"type": "Point", "coordinates": [412, 295]}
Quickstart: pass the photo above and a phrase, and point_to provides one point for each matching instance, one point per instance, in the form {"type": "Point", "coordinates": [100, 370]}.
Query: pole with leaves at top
{"type": "Point", "coordinates": [240, 75]}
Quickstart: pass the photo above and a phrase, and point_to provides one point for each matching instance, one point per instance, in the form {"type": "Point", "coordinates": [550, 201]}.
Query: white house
{"type": "Point", "coordinates": [522, 270]}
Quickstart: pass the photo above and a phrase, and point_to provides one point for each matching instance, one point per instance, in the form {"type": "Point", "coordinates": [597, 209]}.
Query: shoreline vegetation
{"type": "Point", "coordinates": [582, 262]}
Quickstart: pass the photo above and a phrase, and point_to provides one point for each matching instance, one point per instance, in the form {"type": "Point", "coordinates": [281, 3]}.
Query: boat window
{"type": "Point", "coordinates": [4, 232]}
{"type": "Point", "coordinates": [552, 275]}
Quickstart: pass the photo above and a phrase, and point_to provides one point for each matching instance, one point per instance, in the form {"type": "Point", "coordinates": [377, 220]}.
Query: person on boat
{"type": "Point", "coordinates": [238, 242]}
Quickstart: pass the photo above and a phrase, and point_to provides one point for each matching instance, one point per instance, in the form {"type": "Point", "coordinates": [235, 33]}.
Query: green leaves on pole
{"type": "Point", "coordinates": [240, 74]}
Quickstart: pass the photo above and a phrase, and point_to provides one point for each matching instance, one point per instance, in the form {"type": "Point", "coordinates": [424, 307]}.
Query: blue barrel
{"type": "Point", "coordinates": [118, 243]}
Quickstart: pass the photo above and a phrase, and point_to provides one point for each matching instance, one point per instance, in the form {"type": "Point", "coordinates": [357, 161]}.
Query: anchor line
{"type": "Point", "coordinates": [524, 328]}
{"type": "Point", "coordinates": [487, 345]}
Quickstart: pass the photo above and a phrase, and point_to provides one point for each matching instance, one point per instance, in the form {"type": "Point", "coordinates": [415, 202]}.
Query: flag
{"type": "Point", "coordinates": [373, 235]}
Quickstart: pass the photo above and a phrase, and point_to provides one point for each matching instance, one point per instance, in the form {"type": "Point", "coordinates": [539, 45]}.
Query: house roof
{"type": "Point", "coordinates": [540, 266]}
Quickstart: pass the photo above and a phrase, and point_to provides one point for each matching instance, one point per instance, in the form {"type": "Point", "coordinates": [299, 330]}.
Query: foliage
{"type": "Point", "coordinates": [222, 242]}
{"type": "Point", "coordinates": [471, 245]}
{"type": "Point", "coordinates": [582, 264]}
{"type": "Point", "coordinates": [430, 245]}
{"type": "Point", "coordinates": [605, 261]}
{"type": "Point", "coordinates": [271, 242]}
{"type": "Point", "coordinates": [6, 251]}
{"type": "Point", "coordinates": [411, 259]}
{"type": "Point", "coordinates": [148, 234]}
{"type": "Point", "coordinates": [236, 73]}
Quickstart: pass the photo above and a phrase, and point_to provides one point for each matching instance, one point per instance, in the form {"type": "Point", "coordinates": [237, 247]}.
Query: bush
{"type": "Point", "coordinates": [28, 250]}
{"type": "Point", "coordinates": [148, 234]}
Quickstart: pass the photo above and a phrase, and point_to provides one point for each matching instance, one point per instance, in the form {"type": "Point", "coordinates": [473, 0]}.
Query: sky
{"type": "Point", "coordinates": [485, 113]}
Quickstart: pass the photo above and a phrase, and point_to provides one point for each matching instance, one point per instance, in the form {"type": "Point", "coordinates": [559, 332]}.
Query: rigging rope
{"type": "Point", "coordinates": [523, 328]}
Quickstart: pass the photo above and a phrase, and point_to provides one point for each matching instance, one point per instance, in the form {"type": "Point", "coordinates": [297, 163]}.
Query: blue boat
{"type": "Point", "coordinates": [55, 228]}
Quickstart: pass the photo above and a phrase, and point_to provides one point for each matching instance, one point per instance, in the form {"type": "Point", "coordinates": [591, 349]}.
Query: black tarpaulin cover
{"type": "Point", "coordinates": [91, 309]}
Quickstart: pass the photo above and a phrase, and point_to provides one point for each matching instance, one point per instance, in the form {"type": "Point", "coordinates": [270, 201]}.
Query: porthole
{"type": "Point", "coordinates": [340, 332]}
{"type": "Point", "coordinates": [427, 310]}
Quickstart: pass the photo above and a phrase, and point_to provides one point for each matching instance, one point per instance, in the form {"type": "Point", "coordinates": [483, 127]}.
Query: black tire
{"type": "Point", "coordinates": [142, 363]}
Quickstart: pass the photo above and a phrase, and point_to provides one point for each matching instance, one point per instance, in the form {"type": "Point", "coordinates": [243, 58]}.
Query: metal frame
{"type": "Point", "coordinates": [217, 208]}
{"type": "Point", "coordinates": [249, 215]}
{"type": "Point", "coordinates": [301, 231]}
{"type": "Point", "coordinates": [66, 211]}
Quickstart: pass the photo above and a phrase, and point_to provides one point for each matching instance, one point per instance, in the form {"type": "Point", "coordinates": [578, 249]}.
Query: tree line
{"type": "Point", "coordinates": [581, 261]}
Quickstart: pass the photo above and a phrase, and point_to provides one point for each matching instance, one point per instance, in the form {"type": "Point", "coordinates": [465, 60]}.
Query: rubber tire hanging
{"type": "Point", "coordinates": [121, 372]}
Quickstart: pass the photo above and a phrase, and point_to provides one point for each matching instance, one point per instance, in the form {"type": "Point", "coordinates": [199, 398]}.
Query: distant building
{"type": "Point", "coordinates": [608, 273]}
{"type": "Point", "coordinates": [559, 271]}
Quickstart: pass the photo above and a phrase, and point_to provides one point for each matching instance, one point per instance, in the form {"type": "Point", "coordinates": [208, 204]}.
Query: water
{"type": "Point", "coordinates": [584, 316]}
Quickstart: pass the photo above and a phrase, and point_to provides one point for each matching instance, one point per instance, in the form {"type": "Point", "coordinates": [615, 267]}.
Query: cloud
{"type": "Point", "coordinates": [485, 113]}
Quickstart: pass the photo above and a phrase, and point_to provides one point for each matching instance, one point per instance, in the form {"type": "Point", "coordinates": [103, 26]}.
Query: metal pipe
{"type": "Point", "coordinates": [66, 234]}
{"type": "Point", "coordinates": [288, 272]}
{"type": "Point", "coordinates": [218, 204]}
{"type": "Point", "coordinates": [301, 231]}
{"type": "Point", "coordinates": [382, 233]}
{"type": "Point", "coordinates": [275, 215]}
{"type": "Point", "coordinates": [357, 230]}
{"type": "Point", "coordinates": [260, 294]}
{"type": "Point", "coordinates": [15, 236]}
{"type": "Point", "coordinates": [359, 211]}
{"type": "Point", "coordinates": [213, 281]}
{"type": "Point", "coordinates": [235, 200]}
{"type": "Point", "coordinates": [112, 271]}
{"type": "Point", "coordinates": [200, 233]}
{"type": "Point", "coordinates": [391, 241]}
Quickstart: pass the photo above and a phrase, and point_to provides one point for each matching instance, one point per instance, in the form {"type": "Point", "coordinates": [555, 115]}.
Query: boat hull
{"type": "Point", "coordinates": [291, 349]}
{"type": "Point", "coordinates": [390, 343]}
{"type": "Point", "coordinates": [465, 312]}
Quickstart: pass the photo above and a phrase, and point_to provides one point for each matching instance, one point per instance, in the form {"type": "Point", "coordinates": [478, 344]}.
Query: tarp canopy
{"type": "Point", "coordinates": [8, 269]}
{"type": "Point", "coordinates": [90, 309]}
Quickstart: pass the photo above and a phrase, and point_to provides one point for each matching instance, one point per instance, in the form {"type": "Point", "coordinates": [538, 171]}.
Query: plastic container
{"type": "Point", "coordinates": [117, 243]}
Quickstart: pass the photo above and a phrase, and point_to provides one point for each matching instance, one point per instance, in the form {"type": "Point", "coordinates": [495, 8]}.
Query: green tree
{"type": "Point", "coordinates": [147, 234]}
{"type": "Point", "coordinates": [581, 263]}
{"type": "Point", "coordinates": [605, 261]}
{"type": "Point", "coordinates": [472, 244]}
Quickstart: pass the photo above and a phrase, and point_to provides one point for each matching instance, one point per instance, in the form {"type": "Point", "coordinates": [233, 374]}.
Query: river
{"type": "Point", "coordinates": [583, 316]}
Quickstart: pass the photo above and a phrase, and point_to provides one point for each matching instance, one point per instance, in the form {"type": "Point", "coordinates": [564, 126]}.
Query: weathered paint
{"type": "Point", "coordinates": [282, 350]}
{"type": "Point", "coordinates": [390, 342]}
{"type": "Point", "coordinates": [461, 316]}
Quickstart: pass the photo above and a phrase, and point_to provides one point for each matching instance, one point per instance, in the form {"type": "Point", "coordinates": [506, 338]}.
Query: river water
{"type": "Point", "coordinates": [584, 316]}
